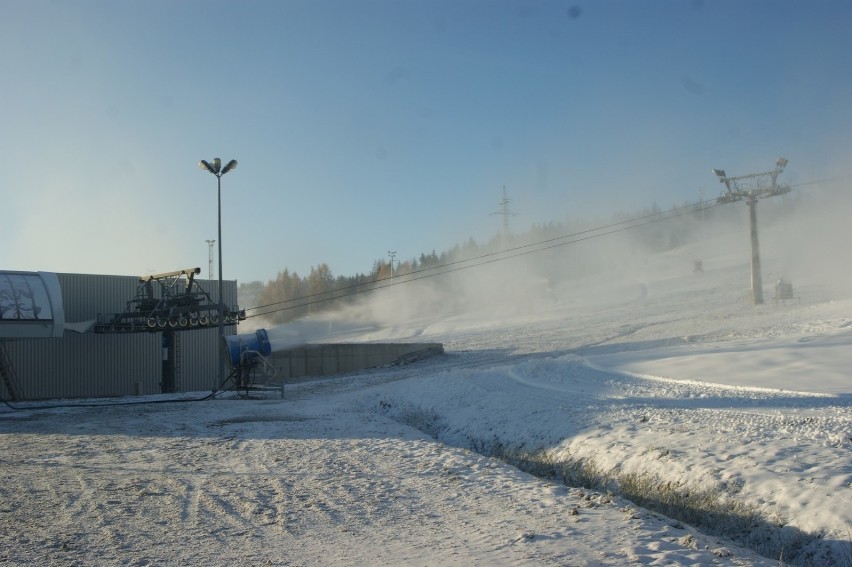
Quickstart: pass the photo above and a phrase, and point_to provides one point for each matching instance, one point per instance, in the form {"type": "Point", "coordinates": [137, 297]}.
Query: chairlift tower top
{"type": "Point", "coordinates": [752, 185]}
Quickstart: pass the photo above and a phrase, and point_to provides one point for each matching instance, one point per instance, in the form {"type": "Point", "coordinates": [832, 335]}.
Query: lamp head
{"type": "Point", "coordinates": [719, 172]}
{"type": "Point", "coordinates": [204, 164]}
{"type": "Point", "coordinates": [781, 163]}
{"type": "Point", "coordinates": [231, 165]}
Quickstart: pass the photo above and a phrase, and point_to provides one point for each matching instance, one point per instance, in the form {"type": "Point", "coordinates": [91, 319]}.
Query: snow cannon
{"type": "Point", "coordinates": [250, 367]}
{"type": "Point", "coordinates": [244, 349]}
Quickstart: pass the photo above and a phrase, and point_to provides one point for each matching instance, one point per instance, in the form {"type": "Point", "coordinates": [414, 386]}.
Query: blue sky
{"type": "Point", "coordinates": [367, 126]}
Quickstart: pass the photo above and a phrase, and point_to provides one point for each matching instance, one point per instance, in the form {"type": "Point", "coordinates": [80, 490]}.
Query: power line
{"type": "Point", "coordinates": [819, 181]}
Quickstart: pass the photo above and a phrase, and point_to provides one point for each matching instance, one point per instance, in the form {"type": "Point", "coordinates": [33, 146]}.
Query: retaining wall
{"type": "Point", "coordinates": [327, 359]}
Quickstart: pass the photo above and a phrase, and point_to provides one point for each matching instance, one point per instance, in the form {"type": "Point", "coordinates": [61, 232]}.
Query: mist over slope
{"type": "Point", "coordinates": [659, 381]}
{"type": "Point", "coordinates": [696, 261]}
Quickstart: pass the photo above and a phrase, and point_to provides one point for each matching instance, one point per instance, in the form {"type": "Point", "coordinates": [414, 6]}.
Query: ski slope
{"type": "Point", "coordinates": [651, 372]}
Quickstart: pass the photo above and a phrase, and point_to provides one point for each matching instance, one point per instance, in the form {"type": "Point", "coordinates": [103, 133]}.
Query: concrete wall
{"type": "Point", "coordinates": [324, 360]}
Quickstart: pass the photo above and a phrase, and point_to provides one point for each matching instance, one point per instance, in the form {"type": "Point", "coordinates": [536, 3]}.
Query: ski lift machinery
{"type": "Point", "coordinates": [171, 300]}
{"type": "Point", "coordinates": [174, 301]}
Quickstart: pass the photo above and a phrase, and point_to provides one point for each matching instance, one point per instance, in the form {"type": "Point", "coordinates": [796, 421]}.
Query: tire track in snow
{"type": "Point", "coordinates": [333, 489]}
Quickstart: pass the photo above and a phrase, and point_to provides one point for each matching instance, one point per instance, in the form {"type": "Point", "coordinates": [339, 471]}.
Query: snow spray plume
{"type": "Point", "coordinates": [519, 284]}
{"type": "Point", "coordinates": [534, 280]}
{"type": "Point", "coordinates": [805, 236]}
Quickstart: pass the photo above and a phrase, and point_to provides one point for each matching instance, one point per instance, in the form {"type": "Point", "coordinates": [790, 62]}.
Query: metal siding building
{"type": "Point", "coordinates": [96, 365]}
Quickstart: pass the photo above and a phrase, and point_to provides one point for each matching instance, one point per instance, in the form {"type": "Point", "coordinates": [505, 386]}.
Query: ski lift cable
{"type": "Point", "coordinates": [486, 259]}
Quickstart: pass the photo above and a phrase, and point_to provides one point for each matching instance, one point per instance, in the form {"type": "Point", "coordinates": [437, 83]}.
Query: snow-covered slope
{"type": "Point", "coordinates": [651, 380]}
{"type": "Point", "coordinates": [673, 375]}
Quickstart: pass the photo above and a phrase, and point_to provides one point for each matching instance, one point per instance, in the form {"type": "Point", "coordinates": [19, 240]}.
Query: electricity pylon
{"type": "Point", "coordinates": [505, 213]}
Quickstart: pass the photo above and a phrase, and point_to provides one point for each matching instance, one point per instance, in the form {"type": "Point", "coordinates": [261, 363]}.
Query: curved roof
{"type": "Point", "coordinates": [30, 305]}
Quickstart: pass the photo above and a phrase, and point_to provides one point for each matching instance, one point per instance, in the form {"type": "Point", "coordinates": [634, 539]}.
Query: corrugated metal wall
{"type": "Point", "coordinates": [96, 365]}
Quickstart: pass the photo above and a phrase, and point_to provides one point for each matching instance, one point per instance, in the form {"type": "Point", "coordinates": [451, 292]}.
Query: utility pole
{"type": "Point", "coordinates": [392, 254]}
{"type": "Point", "coordinates": [751, 192]}
{"type": "Point", "coordinates": [210, 244]}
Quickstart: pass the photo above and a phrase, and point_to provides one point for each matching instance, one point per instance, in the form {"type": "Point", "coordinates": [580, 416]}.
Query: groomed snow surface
{"type": "Point", "coordinates": [652, 378]}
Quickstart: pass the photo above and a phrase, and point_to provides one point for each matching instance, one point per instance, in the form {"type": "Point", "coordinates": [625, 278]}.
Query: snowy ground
{"type": "Point", "coordinates": [662, 372]}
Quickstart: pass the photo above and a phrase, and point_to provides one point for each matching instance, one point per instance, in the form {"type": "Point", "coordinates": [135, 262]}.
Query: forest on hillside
{"type": "Point", "coordinates": [556, 252]}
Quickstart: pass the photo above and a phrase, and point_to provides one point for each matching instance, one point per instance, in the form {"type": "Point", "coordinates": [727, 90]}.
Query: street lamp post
{"type": "Point", "coordinates": [216, 169]}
